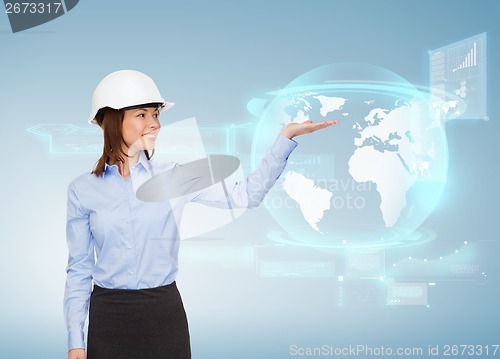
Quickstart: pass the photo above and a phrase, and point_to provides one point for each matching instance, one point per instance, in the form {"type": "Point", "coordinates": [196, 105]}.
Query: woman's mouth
{"type": "Point", "coordinates": [151, 135]}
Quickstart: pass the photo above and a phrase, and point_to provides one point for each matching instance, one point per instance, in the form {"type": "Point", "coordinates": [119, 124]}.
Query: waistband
{"type": "Point", "coordinates": [134, 293]}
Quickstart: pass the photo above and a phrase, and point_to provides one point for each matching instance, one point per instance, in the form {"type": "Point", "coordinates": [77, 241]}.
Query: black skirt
{"type": "Point", "coordinates": [137, 324]}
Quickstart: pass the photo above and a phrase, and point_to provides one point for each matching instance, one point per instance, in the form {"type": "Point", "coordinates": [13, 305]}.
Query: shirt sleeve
{"type": "Point", "coordinates": [250, 193]}
{"type": "Point", "coordinates": [79, 270]}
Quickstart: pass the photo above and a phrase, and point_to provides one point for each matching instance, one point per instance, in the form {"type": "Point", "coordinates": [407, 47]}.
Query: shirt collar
{"type": "Point", "coordinates": [142, 162]}
{"type": "Point", "coordinates": [110, 168]}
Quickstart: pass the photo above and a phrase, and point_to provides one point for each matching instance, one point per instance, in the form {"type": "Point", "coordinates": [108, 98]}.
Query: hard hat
{"type": "Point", "coordinates": [123, 89]}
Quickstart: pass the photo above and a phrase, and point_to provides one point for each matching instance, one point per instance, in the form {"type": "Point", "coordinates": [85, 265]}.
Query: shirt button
{"type": "Point", "coordinates": [131, 272]}
{"type": "Point", "coordinates": [129, 246]}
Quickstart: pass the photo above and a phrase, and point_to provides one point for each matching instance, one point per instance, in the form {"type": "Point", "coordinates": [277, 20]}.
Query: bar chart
{"type": "Point", "coordinates": [465, 61]}
{"type": "Point", "coordinates": [469, 61]}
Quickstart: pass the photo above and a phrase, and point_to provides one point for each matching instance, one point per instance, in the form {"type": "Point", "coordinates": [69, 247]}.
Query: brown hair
{"type": "Point", "coordinates": [111, 121]}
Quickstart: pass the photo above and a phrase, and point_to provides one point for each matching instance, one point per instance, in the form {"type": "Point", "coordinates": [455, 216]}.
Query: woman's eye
{"type": "Point", "coordinates": [140, 115]}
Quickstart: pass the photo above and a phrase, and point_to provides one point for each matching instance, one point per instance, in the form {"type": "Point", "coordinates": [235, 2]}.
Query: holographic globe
{"type": "Point", "coordinates": [371, 180]}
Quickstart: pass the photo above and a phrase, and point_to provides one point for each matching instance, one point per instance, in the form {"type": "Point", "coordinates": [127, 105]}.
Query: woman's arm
{"type": "Point", "coordinates": [250, 193]}
{"type": "Point", "coordinates": [79, 270]}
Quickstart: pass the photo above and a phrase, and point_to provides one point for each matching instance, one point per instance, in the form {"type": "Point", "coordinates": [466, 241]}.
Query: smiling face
{"type": "Point", "coordinates": [140, 128]}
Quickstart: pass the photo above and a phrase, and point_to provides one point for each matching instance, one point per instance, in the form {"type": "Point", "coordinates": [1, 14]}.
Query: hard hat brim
{"type": "Point", "coordinates": [166, 106]}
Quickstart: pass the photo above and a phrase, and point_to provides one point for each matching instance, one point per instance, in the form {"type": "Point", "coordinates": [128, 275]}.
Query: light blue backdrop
{"type": "Point", "coordinates": [211, 58]}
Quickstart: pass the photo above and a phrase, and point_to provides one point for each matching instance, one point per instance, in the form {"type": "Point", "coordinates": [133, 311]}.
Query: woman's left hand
{"type": "Point", "coordinates": [296, 129]}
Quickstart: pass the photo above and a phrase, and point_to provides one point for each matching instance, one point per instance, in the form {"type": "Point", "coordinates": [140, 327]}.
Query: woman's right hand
{"type": "Point", "coordinates": [76, 354]}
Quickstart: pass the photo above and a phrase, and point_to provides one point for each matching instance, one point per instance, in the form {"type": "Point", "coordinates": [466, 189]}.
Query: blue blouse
{"type": "Point", "coordinates": [118, 241]}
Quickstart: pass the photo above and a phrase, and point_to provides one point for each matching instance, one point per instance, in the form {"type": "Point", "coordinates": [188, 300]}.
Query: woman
{"type": "Point", "coordinates": [134, 307]}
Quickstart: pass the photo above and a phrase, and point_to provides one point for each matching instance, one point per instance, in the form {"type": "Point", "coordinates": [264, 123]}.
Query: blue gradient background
{"type": "Point", "coordinates": [211, 58]}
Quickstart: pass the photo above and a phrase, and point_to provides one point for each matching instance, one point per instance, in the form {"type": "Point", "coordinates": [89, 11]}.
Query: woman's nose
{"type": "Point", "coordinates": [153, 122]}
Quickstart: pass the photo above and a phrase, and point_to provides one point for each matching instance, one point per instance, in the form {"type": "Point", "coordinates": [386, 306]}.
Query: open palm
{"type": "Point", "coordinates": [296, 129]}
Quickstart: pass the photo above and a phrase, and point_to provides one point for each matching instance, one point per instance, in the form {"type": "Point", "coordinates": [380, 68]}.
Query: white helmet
{"type": "Point", "coordinates": [123, 89]}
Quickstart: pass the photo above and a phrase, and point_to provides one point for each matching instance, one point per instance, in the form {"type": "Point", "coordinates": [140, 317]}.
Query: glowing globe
{"type": "Point", "coordinates": [371, 180]}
